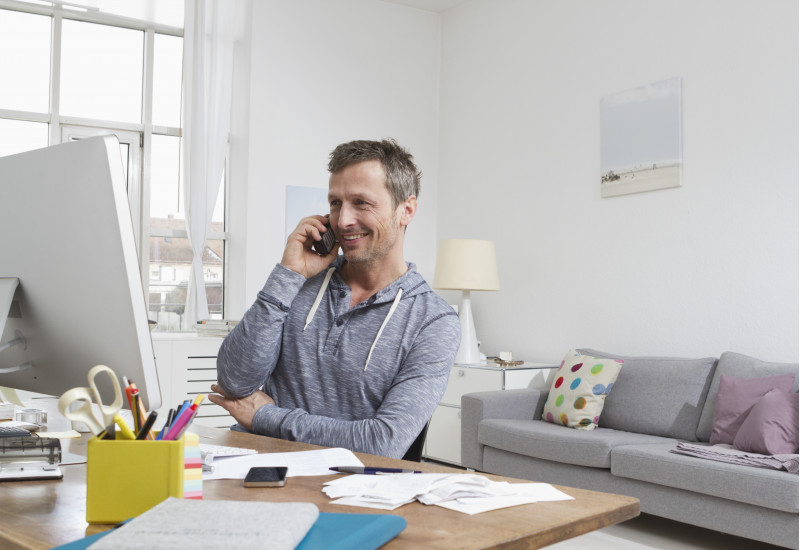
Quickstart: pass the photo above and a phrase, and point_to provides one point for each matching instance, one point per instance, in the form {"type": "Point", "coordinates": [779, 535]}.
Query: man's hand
{"type": "Point", "coordinates": [243, 409]}
{"type": "Point", "coordinates": [299, 256]}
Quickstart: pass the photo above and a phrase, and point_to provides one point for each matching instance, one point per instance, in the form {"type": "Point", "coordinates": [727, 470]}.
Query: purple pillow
{"type": "Point", "coordinates": [771, 427]}
{"type": "Point", "coordinates": [735, 398]}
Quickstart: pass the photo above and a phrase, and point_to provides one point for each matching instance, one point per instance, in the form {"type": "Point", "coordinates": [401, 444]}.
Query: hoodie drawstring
{"type": "Point", "coordinates": [320, 294]}
{"type": "Point", "coordinates": [383, 325]}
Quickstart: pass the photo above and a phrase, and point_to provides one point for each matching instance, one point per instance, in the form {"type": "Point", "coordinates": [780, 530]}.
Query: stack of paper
{"type": "Point", "coordinates": [467, 493]}
{"type": "Point", "coordinates": [215, 327]}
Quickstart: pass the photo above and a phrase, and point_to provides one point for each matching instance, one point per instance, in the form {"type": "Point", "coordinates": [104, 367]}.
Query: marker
{"type": "Point", "coordinates": [369, 470]}
{"type": "Point", "coordinates": [188, 423]}
{"type": "Point", "coordinates": [182, 420]}
{"type": "Point", "coordinates": [147, 425]}
{"type": "Point", "coordinates": [123, 427]}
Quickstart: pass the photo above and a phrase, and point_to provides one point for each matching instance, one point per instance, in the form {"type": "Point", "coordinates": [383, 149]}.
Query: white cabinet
{"type": "Point", "coordinates": [443, 442]}
{"type": "Point", "coordinates": [187, 366]}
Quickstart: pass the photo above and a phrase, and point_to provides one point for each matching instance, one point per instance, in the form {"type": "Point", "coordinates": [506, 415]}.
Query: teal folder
{"type": "Point", "coordinates": [357, 531]}
{"type": "Point", "coordinates": [331, 531]}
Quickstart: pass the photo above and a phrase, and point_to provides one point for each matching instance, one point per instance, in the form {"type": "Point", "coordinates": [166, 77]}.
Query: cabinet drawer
{"type": "Point", "coordinates": [467, 380]}
{"type": "Point", "coordinates": [443, 441]}
{"type": "Point", "coordinates": [211, 409]}
{"type": "Point", "coordinates": [215, 421]}
{"type": "Point", "coordinates": [193, 363]}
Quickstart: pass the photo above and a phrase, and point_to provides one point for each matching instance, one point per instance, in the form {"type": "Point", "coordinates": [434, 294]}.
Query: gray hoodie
{"type": "Point", "coordinates": [366, 378]}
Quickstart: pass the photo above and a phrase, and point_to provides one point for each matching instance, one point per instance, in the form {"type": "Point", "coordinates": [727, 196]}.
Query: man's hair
{"type": "Point", "coordinates": [402, 175]}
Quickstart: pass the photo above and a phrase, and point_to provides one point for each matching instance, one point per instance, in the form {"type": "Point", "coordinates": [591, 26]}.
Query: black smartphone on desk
{"type": "Point", "coordinates": [266, 476]}
{"type": "Point", "coordinates": [324, 246]}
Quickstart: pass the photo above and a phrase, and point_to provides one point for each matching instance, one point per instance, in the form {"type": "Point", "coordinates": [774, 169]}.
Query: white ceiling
{"type": "Point", "coordinates": [437, 6]}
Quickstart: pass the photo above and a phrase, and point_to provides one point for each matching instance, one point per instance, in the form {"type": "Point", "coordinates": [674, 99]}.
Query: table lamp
{"type": "Point", "coordinates": [466, 265]}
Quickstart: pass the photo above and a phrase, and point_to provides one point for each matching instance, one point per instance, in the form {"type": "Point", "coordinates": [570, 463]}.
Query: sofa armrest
{"type": "Point", "coordinates": [523, 404]}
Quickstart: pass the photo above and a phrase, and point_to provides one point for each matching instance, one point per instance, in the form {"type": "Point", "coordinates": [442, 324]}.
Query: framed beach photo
{"type": "Point", "coordinates": [641, 139]}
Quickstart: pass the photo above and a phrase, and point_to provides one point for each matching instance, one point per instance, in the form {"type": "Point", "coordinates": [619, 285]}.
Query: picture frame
{"type": "Point", "coordinates": [641, 147]}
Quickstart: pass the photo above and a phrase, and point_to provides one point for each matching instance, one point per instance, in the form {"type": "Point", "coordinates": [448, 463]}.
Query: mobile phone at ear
{"type": "Point", "coordinates": [324, 246]}
{"type": "Point", "coordinates": [264, 476]}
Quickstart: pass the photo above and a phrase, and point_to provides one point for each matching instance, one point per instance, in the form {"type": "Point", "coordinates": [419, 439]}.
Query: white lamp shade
{"type": "Point", "coordinates": [466, 264]}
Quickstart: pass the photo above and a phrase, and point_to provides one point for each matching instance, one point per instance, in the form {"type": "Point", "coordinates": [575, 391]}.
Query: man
{"type": "Point", "coordinates": [354, 350]}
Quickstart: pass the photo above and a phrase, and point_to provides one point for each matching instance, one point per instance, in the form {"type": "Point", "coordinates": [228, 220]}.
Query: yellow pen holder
{"type": "Point", "coordinates": [125, 478]}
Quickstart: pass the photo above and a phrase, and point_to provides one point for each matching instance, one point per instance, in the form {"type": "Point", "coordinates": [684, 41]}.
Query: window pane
{"type": "Point", "coordinates": [170, 264]}
{"type": "Point", "coordinates": [17, 136]}
{"type": "Point", "coordinates": [218, 216]}
{"type": "Point", "coordinates": [167, 75]}
{"type": "Point", "coordinates": [166, 197]}
{"type": "Point", "coordinates": [101, 72]}
{"type": "Point", "coordinates": [28, 68]}
{"type": "Point", "coordinates": [165, 12]}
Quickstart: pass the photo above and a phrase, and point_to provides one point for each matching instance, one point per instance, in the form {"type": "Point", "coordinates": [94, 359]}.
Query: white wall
{"type": "Point", "coordinates": [324, 73]}
{"type": "Point", "coordinates": [693, 271]}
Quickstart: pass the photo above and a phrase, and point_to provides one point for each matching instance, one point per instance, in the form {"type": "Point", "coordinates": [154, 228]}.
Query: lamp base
{"type": "Point", "coordinates": [468, 353]}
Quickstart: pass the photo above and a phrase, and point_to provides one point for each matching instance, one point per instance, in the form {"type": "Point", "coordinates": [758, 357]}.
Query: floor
{"type": "Point", "coordinates": [653, 533]}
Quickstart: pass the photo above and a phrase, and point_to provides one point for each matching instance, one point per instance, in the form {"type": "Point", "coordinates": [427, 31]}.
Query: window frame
{"type": "Point", "coordinates": [139, 195]}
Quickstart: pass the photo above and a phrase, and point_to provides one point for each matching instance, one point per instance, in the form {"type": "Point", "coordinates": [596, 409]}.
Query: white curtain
{"type": "Point", "coordinates": [207, 81]}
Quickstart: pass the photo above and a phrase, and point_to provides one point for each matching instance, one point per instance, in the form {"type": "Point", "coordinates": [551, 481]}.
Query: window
{"type": "Point", "coordinates": [121, 74]}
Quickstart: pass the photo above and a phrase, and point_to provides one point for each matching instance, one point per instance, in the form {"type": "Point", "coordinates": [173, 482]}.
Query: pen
{"type": "Point", "coordinates": [167, 424]}
{"type": "Point", "coordinates": [147, 425]}
{"type": "Point", "coordinates": [369, 470]}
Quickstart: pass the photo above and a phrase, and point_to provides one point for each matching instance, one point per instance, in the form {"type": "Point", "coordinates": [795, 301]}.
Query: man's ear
{"type": "Point", "coordinates": [408, 208]}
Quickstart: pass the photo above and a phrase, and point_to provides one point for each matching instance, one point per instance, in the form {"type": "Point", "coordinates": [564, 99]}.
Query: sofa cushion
{"type": "Point", "coordinates": [657, 395]}
{"type": "Point", "coordinates": [579, 390]}
{"type": "Point", "coordinates": [741, 366]}
{"type": "Point", "coordinates": [554, 442]}
{"type": "Point", "coordinates": [735, 398]}
{"type": "Point", "coordinates": [771, 426]}
{"type": "Point", "coordinates": [656, 464]}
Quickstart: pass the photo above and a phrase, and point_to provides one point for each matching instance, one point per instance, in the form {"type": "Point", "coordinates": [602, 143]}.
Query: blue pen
{"type": "Point", "coordinates": [167, 424]}
{"type": "Point", "coordinates": [186, 405]}
{"type": "Point", "coordinates": [368, 470]}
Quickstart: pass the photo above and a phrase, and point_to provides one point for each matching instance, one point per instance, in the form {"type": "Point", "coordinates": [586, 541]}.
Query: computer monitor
{"type": "Point", "coordinates": [70, 284]}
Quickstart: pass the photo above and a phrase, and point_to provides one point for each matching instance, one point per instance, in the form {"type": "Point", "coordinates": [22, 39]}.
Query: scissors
{"type": "Point", "coordinates": [84, 413]}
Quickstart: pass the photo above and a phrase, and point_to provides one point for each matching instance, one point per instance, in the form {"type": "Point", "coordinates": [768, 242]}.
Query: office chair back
{"type": "Point", "coordinates": [414, 452]}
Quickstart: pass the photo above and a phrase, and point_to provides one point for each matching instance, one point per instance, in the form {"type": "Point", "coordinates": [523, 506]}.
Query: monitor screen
{"type": "Point", "coordinates": [66, 236]}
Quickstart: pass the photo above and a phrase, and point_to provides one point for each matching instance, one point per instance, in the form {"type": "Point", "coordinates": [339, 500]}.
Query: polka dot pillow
{"type": "Point", "coordinates": [579, 390]}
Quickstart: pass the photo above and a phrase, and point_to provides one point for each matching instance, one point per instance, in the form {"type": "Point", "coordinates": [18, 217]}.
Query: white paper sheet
{"type": "Point", "coordinates": [300, 463]}
{"type": "Point", "coordinates": [466, 493]}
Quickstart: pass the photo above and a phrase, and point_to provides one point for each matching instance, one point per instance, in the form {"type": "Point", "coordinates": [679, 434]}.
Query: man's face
{"type": "Point", "coordinates": [363, 218]}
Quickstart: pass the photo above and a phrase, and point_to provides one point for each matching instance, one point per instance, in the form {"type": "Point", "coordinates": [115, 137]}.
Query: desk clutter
{"type": "Point", "coordinates": [466, 493]}
{"type": "Point", "coordinates": [76, 404]}
{"type": "Point", "coordinates": [27, 457]}
{"type": "Point", "coordinates": [224, 524]}
{"type": "Point", "coordinates": [128, 471]}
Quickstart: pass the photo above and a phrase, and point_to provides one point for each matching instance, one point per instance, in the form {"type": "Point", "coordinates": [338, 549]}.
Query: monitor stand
{"type": "Point", "coordinates": [8, 286]}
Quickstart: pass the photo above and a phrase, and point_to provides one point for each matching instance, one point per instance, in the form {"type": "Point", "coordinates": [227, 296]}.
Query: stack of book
{"type": "Point", "coordinates": [215, 327]}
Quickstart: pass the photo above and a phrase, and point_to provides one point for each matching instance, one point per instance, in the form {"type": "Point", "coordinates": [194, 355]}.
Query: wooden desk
{"type": "Point", "coordinates": [43, 514]}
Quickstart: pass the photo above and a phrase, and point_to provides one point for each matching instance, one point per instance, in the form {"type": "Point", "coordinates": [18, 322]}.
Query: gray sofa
{"type": "Point", "coordinates": [654, 403]}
